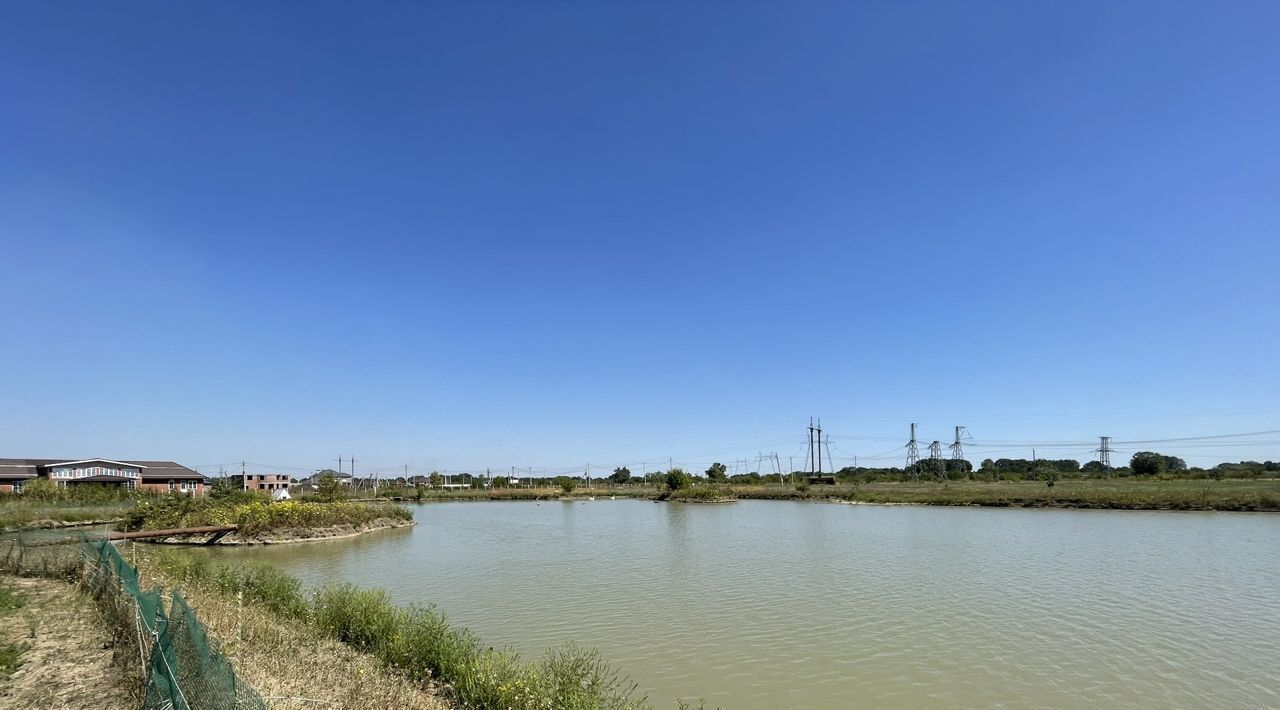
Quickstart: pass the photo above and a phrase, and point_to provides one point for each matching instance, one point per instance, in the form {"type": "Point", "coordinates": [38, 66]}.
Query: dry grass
{"type": "Point", "coordinates": [16, 512]}
{"type": "Point", "coordinates": [292, 666]}
{"type": "Point", "coordinates": [1133, 494]}
{"type": "Point", "coordinates": [66, 657]}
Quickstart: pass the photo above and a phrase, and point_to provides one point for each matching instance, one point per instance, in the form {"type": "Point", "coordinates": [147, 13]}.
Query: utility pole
{"type": "Point", "coordinates": [819, 446]}
{"type": "Point", "coordinates": [809, 456]}
{"type": "Point", "coordinates": [244, 480]}
{"type": "Point", "coordinates": [913, 453]}
{"type": "Point", "coordinates": [830, 460]}
{"type": "Point", "coordinates": [935, 454]}
{"type": "Point", "coordinates": [1104, 453]}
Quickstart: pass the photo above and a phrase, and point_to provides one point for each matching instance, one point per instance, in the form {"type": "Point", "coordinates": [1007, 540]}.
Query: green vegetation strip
{"type": "Point", "coordinates": [10, 653]}
{"type": "Point", "coordinates": [418, 641]}
{"type": "Point", "coordinates": [257, 516]}
{"type": "Point", "coordinates": [1130, 495]}
{"type": "Point", "coordinates": [43, 504]}
{"type": "Point", "coordinates": [1252, 495]}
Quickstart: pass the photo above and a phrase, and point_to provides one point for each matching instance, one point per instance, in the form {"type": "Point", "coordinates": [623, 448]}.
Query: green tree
{"type": "Point", "coordinates": [223, 488]}
{"type": "Point", "coordinates": [676, 479]}
{"type": "Point", "coordinates": [718, 473]}
{"type": "Point", "coordinates": [41, 489]}
{"type": "Point", "coordinates": [958, 468]}
{"type": "Point", "coordinates": [435, 479]}
{"type": "Point", "coordinates": [620, 475]}
{"type": "Point", "coordinates": [567, 483]}
{"type": "Point", "coordinates": [1173, 463]}
{"type": "Point", "coordinates": [328, 488]}
{"type": "Point", "coordinates": [1148, 463]}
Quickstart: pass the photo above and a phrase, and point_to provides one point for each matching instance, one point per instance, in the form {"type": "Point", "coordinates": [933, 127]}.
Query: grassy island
{"type": "Point", "coordinates": [262, 521]}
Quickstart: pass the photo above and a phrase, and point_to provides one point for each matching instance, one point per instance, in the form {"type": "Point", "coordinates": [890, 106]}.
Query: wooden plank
{"type": "Point", "coordinates": [172, 532]}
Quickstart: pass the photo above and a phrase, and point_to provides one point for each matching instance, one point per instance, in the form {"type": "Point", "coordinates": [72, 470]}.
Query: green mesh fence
{"type": "Point", "coordinates": [184, 669]}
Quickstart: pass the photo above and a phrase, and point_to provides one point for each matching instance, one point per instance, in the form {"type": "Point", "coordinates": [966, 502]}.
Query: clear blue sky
{"type": "Point", "coordinates": [470, 234]}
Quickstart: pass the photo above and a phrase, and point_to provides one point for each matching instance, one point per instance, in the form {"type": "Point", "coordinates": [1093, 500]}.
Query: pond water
{"type": "Point", "coordinates": [773, 604]}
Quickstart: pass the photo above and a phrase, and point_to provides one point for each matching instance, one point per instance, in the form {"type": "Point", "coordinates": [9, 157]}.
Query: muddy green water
{"type": "Point", "coordinates": [766, 604]}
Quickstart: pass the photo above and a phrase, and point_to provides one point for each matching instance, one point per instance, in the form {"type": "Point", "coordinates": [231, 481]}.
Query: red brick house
{"type": "Point", "coordinates": [262, 481]}
{"type": "Point", "coordinates": [159, 476]}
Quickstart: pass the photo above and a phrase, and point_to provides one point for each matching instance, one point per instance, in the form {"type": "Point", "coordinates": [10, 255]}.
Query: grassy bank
{"type": "Point", "coordinates": [10, 651]}
{"type": "Point", "coordinates": [543, 493]}
{"type": "Point", "coordinates": [42, 504]}
{"type": "Point", "coordinates": [18, 512]}
{"type": "Point", "coordinates": [288, 660]}
{"type": "Point", "coordinates": [416, 644]}
{"type": "Point", "coordinates": [1131, 494]}
{"type": "Point", "coordinates": [257, 517]}
{"type": "Point", "coordinates": [1119, 493]}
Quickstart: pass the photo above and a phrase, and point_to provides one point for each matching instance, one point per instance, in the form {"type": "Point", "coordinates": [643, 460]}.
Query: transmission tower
{"type": "Point", "coordinates": [815, 447]}
{"type": "Point", "coordinates": [1104, 452]}
{"type": "Point", "coordinates": [935, 459]}
{"type": "Point", "coordinates": [913, 451]}
{"type": "Point", "coordinates": [957, 449]}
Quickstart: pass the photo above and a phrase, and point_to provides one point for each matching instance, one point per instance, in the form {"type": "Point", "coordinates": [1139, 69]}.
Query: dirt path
{"type": "Point", "coordinates": [66, 661]}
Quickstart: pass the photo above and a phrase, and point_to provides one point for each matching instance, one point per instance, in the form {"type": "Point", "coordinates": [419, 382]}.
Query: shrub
{"type": "Point", "coordinates": [178, 511]}
{"type": "Point", "coordinates": [223, 490]}
{"type": "Point", "coordinates": [575, 678]}
{"type": "Point", "coordinates": [676, 479]}
{"type": "Point", "coordinates": [361, 618]}
{"type": "Point", "coordinates": [264, 584]}
{"type": "Point", "coordinates": [329, 488]}
{"type": "Point", "coordinates": [704, 493]}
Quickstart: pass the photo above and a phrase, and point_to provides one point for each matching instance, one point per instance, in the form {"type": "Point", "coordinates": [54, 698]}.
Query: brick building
{"type": "Point", "coordinates": [159, 476]}
{"type": "Point", "coordinates": [261, 481]}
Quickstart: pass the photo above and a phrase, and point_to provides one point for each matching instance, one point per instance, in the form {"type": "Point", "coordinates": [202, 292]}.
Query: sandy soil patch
{"type": "Point", "coordinates": [66, 664]}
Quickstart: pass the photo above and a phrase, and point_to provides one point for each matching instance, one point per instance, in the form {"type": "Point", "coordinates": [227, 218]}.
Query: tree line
{"type": "Point", "coordinates": [1145, 464]}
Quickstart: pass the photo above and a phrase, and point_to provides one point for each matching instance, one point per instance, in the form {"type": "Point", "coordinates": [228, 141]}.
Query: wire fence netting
{"type": "Point", "coordinates": [181, 663]}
